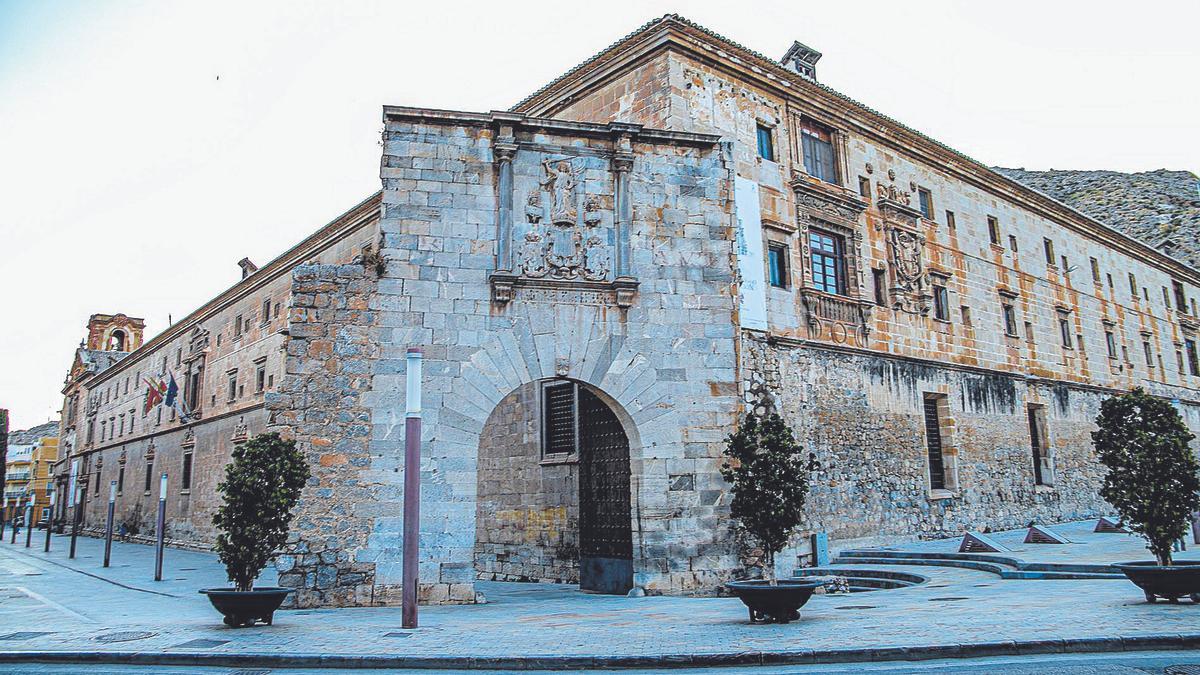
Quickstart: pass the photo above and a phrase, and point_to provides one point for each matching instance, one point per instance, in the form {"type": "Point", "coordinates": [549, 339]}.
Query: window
{"type": "Point", "coordinates": [276, 312]}
{"type": "Point", "coordinates": [1010, 319]}
{"type": "Point", "coordinates": [864, 187]}
{"type": "Point", "coordinates": [1012, 243]}
{"type": "Point", "coordinates": [1181, 302]}
{"type": "Point", "coordinates": [1111, 341]}
{"type": "Point", "coordinates": [103, 429]}
{"type": "Point", "coordinates": [91, 430]}
{"type": "Point", "coordinates": [817, 145]}
{"type": "Point", "coordinates": [186, 474]}
{"type": "Point", "coordinates": [1064, 331]}
{"type": "Point", "coordinates": [237, 326]}
{"type": "Point", "coordinates": [1095, 270]}
{"type": "Point", "coordinates": [260, 378]}
{"type": "Point", "coordinates": [178, 356]}
{"type": "Point", "coordinates": [1066, 266]}
{"type": "Point", "coordinates": [1048, 247]}
{"type": "Point", "coordinates": [766, 145]}
{"type": "Point", "coordinates": [1133, 285]}
{"type": "Point", "coordinates": [1149, 352]}
{"type": "Point", "coordinates": [266, 310]}
{"type": "Point", "coordinates": [1192, 357]}
{"type": "Point", "coordinates": [1166, 298]}
{"type": "Point", "coordinates": [560, 418]}
{"type": "Point", "coordinates": [925, 197]}
{"type": "Point", "coordinates": [941, 303]}
{"type": "Point", "coordinates": [777, 264]}
{"type": "Point", "coordinates": [195, 382]}
{"type": "Point", "coordinates": [1179, 360]}
{"type": "Point", "coordinates": [966, 315]}
{"type": "Point", "coordinates": [1043, 467]}
{"type": "Point", "coordinates": [879, 277]}
{"type": "Point", "coordinates": [232, 380]}
{"type": "Point", "coordinates": [149, 478]}
{"type": "Point", "coordinates": [950, 220]}
{"type": "Point", "coordinates": [828, 262]}
{"type": "Point", "coordinates": [120, 480]}
{"type": "Point", "coordinates": [933, 442]}
{"type": "Point", "coordinates": [96, 487]}
{"type": "Point", "coordinates": [993, 230]}
{"type": "Point", "coordinates": [1029, 333]}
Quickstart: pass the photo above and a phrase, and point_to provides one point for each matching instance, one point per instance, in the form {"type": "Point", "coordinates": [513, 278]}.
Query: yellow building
{"type": "Point", "coordinates": [31, 454]}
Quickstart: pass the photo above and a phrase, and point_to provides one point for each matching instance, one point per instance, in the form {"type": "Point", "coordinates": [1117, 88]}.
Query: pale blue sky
{"type": "Point", "coordinates": [132, 179]}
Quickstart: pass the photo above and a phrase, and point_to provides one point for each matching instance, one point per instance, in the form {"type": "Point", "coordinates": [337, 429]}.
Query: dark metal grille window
{"type": "Point", "coordinates": [766, 147]}
{"type": "Point", "coordinates": [817, 146]}
{"type": "Point", "coordinates": [186, 474]}
{"type": "Point", "coordinates": [560, 419]}
{"type": "Point", "coordinates": [933, 441]}
{"type": "Point", "coordinates": [828, 262]}
{"type": "Point", "coordinates": [1035, 443]}
{"type": "Point", "coordinates": [777, 264]}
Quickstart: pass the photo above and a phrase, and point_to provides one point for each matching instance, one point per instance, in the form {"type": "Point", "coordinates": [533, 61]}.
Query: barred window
{"type": "Point", "coordinates": [560, 418]}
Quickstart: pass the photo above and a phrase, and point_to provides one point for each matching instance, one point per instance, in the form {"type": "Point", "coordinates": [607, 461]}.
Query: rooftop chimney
{"type": "Point", "coordinates": [802, 59]}
{"type": "Point", "coordinates": [248, 267]}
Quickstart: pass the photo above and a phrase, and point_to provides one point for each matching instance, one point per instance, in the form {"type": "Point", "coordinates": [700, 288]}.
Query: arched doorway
{"type": "Point", "coordinates": [553, 501]}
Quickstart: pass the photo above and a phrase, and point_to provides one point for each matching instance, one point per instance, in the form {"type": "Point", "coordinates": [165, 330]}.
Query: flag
{"type": "Point", "coordinates": [154, 394]}
{"type": "Point", "coordinates": [172, 399]}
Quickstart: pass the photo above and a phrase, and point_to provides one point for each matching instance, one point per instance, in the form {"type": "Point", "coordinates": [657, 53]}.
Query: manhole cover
{"type": "Point", "coordinates": [1183, 669]}
{"type": "Point", "coordinates": [124, 636]}
{"type": "Point", "coordinates": [946, 599]}
{"type": "Point", "coordinates": [856, 607]}
{"type": "Point", "coordinates": [201, 643]}
{"type": "Point", "coordinates": [24, 635]}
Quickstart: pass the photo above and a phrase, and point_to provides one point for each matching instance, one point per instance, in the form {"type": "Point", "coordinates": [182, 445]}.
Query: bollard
{"type": "Point", "coordinates": [3, 517]}
{"type": "Point", "coordinates": [49, 522]}
{"type": "Point", "coordinates": [108, 528]}
{"type": "Point", "coordinates": [412, 489]}
{"type": "Point", "coordinates": [29, 520]}
{"type": "Point", "coordinates": [76, 518]}
{"type": "Point", "coordinates": [16, 524]}
{"type": "Point", "coordinates": [160, 535]}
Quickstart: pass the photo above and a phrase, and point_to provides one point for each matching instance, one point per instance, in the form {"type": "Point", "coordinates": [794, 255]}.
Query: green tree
{"type": "Point", "coordinates": [769, 475]}
{"type": "Point", "coordinates": [1152, 478]}
{"type": "Point", "coordinates": [261, 487]}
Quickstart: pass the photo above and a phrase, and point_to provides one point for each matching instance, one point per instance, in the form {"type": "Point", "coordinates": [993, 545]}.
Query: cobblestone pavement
{"type": "Point", "coordinates": [49, 603]}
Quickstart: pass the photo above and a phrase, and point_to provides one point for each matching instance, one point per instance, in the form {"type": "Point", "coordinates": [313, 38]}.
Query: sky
{"type": "Point", "coordinates": [146, 147]}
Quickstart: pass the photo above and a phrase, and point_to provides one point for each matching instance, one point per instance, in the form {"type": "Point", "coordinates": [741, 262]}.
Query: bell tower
{"type": "Point", "coordinates": [114, 332]}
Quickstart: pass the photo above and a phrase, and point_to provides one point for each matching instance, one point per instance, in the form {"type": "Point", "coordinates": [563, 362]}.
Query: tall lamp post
{"type": "Point", "coordinates": [108, 528]}
{"type": "Point", "coordinates": [49, 522]}
{"type": "Point", "coordinates": [412, 487]}
{"type": "Point", "coordinates": [160, 534]}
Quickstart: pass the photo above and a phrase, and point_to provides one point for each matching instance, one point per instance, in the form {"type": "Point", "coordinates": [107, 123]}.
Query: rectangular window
{"type": "Point", "coordinates": [766, 144]}
{"type": "Point", "coordinates": [122, 420]}
{"type": "Point", "coordinates": [1166, 298]}
{"type": "Point", "coordinates": [817, 145]}
{"type": "Point", "coordinates": [120, 480]}
{"type": "Point", "coordinates": [1095, 269]}
{"type": "Point", "coordinates": [237, 325]}
{"type": "Point", "coordinates": [879, 276]}
{"type": "Point", "coordinates": [91, 431]}
{"type": "Point", "coordinates": [260, 378]}
{"type": "Point", "coordinates": [926, 200]}
{"type": "Point", "coordinates": [1064, 331]}
{"type": "Point", "coordinates": [1066, 266]}
{"type": "Point", "coordinates": [933, 443]}
{"type": "Point", "coordinates": [993, 230]}
{"type": "Point", "coordinates": [941, 303]}
{"type": "Point", "coordinates": [1149, 352]}
{"type": "Point", "coordinates": [828, 262]}
{"type": "Point", "coordinates": [777, 264]}
{"type": "Point", "coordinates": [266, 310]}
{"type": "Point", "coordinates": [1111, 341]}
{"type": "Point", "coordinates": [950, 220]}
{"type": "Point", "coordinates": [966, 315]}
{"type": "Point", "coordinates": [1048, 247]}
{"type": "Point", "coordinates": [1012, 243]}
{"type": "Point", "coordinates": [560, 418]}
{"type": "Point", "coordinates": [96, 488]}
{"type": "Point", "coordinates": [232, 380]}
{"type": "Point", "coordinates": [1192, 357]}
{"type": "Point", "coordinates": [1029, 332]}
{"type": "Point", "coordinates": [186, 474]}
{"type": "Point", "coordinates": [149, 478]}
{"type": "Point", "coordinates": [276, 312]}
{"type": "Point", "coordinates": [1181, 302]}
{"type": "Point", "coordinates": [1042, 471]}
{"type": "Point", "coordinates": [1179, 360]}
{"type": "Point", "coordinates": [1010, 320]}
{"type": "Point", "coordinates": [1133, 285]}
{"type": "Point", "coordinates": [864, 187]}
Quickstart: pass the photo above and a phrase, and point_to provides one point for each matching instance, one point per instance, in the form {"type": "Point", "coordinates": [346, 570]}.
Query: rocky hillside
{"type": "Point", "coordinates": [1162, 208]}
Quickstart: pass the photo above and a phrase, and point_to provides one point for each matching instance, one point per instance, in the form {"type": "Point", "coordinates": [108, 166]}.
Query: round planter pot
{"type": "Point", "coordinates": [780, 603]}
{"type": "Point", "coordinates": [1172, 582]}
{"type": "Point", "coordinates": [244, 608]}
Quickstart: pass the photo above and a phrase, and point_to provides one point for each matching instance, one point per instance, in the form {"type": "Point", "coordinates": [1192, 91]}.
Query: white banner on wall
{"type": "Point", "coordinates": [752, 287]}
{"type": "Point", "coordinates": [71, 488]}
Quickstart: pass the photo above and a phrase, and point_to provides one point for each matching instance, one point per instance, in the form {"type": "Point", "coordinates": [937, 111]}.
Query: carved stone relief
{"type": "Point", "coordinates": [564, 240]}
{"type": "Point", "coordinates": [910, 278]}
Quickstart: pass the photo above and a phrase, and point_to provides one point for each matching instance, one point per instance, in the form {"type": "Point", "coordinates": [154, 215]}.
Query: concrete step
{"type": "Point", "coordinates": [1008, 561]}
{"type": "Point", "coordinates": [1005, 570]}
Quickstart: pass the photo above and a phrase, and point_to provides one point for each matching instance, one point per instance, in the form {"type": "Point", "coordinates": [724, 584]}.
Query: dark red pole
{"type": "Point", "coordinates": [29, 521]}
{"type": "Point", "coordinates": [49, 523]}
{"type": "Point", "coordinates": [160, 535]}
{"type": "Point", "coordinates": [412, 488]}
{"type": "Point", "coordinates": [108, 529]}
{"type": "Point", "coordinates": [76, 519]}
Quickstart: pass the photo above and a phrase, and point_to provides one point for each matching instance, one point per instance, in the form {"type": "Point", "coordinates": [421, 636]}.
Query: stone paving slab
{"type": "Point", "coordinates": [957, 612]}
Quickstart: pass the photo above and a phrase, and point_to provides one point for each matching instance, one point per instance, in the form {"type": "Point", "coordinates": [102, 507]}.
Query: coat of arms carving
{"type": "Point", "coordinates": [564, 240]}
{"type": "Point", "coordinates": [910, 290]}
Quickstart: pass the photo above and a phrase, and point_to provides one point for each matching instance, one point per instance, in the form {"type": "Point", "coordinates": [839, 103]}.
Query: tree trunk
{"type": "Point", "coordinates": [769, 568]}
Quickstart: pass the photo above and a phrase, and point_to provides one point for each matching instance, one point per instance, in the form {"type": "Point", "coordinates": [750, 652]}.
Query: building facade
{"type": "Point", "coordinates": [28, 466]}
{"type": "Point", "coordinates": [604, 279]}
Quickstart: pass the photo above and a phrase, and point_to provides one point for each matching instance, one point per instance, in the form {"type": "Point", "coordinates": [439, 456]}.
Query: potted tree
{"type": "Point", "coordinates": [769, 477]}
{"type": "Point", "coordinates": [261, 487]}
{"type": "Point", "coordinates": [1153, 483]}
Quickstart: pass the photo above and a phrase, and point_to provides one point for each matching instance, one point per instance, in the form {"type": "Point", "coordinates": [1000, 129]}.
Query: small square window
{"type": "Point", "coordinates": [777, 264]}
{"type": "Point", "coordinates": [766, 144]}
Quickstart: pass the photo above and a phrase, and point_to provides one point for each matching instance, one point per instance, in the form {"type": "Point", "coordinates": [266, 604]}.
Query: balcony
{"type": "Point", "coordinates": [17, 476]}
{"type": "Point", "coordinates": [838, 318]}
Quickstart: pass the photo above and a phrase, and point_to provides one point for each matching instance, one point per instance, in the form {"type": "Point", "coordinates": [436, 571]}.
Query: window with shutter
{"type": "Point", "coordinates": [560, 419]}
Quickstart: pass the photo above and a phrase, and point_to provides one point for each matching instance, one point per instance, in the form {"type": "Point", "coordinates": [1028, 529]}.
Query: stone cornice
{"type": "Point", "coordinates": [358, 216]}
{"type": "Point", "coordinates": [673, 32]}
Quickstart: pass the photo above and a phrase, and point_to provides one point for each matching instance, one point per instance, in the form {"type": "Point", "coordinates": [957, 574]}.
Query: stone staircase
{"type": "Point", "coordinates": [862, 579]}
{"type": "Point", "coordinates": [1003, 566]}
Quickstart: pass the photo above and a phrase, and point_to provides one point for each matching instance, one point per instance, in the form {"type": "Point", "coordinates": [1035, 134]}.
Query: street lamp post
{"type": "Point", "coordinates": [412, 488]}
{"type": "Point", "coordinates": [160, 535]}
{"type": "Point", "coordinates": [76, 518]}
{"type": "Point", "coordinates": [108, 528]}
{"type": "Point", "coordinates": [49, 522]}
{"type": "Point", "coordinates": [3, 517]}
{"type": "Point", "coordinates": [29, 520]}
{"type": "Point", "coordinates": [16, 524]}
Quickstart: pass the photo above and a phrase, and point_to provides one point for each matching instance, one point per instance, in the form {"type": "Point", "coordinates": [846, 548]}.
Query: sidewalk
{"type": "Point", "coordinates": [54, 609]}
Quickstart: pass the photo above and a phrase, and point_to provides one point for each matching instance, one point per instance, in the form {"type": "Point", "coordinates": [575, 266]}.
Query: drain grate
{"type": "Point", "coordinates": [856, 607]}
{"type": "Point", "coordinates": [124, 636]}
{"type": "Point", "coordinates": [950, 599]}
{"type": "Point", "coordinates": [1182, 669]}
{"type": "Point", "coordinates": [24, 635]}
{"type": "Point", "coordinates": [249, 672]}
{"type": "Point", "coordinates": [200, 643]}
{"type": "Point", "coordinates": [397, 634]}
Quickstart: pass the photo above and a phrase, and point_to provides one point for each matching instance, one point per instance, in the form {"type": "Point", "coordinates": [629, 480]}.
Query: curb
{"type": "Point", "coordinates": [1133, 643]}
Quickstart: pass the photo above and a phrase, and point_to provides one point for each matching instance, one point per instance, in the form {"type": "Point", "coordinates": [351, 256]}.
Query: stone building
{"type": "Point", "coordinates": [605, 277]}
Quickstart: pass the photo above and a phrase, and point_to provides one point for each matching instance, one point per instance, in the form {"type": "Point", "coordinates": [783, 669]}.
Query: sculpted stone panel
{"type": "Point", "coordinates": [565, 236]}
{"type": "Point", "coordinates": [910, 277]}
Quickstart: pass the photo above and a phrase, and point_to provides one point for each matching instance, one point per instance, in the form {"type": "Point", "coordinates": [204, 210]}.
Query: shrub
{"type": "Point", "coordinates": [261, 487]}
{"type": "Point", "coordinates": [770, 482]}
{"type": "Point", "coordinates": [1152, 473]}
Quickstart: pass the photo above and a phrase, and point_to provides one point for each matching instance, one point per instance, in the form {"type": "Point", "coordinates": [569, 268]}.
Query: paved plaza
{"type": "Point", "coordinates": [77, 609]}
